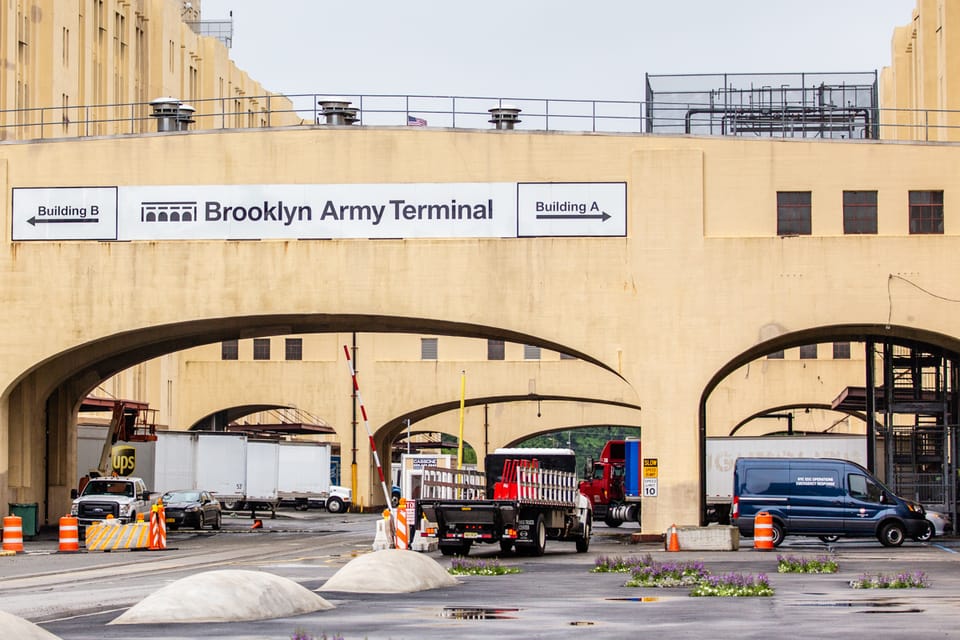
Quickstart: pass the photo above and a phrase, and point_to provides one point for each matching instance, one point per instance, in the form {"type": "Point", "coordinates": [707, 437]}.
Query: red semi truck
{"type": "Point", "coordinates": [604, 486]}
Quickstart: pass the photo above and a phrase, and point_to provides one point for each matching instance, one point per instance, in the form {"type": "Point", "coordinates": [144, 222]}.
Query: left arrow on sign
{"type": "Point", "coordinates": [33, 221]}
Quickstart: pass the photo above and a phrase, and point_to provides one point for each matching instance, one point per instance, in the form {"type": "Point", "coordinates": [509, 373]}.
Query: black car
{"type": "Point", "coordinates": [191, 508]}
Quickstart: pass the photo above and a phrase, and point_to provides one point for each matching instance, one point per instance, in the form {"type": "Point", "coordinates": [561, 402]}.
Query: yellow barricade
{"type": "Point", "coordinates": [107, 537]}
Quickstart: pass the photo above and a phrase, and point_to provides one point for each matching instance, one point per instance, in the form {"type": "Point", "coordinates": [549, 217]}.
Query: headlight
{"type": "Point", "coordinates": [126, 510]}
{"type": "Point", "coordinates": [74, 509]}
{"type": "Point", "coordinates": [192, 509]}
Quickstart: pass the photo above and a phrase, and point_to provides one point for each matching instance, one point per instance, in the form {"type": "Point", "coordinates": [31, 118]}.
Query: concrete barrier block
{"type": "Point", "coordinates": [715, 538]}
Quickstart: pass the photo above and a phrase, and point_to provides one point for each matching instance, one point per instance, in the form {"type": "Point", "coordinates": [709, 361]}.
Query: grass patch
{"type": "Point", "coordinates": [667, 574]}
{"type": "Point", "coordinates": [617, 564]}
{"type": "Point", "coordinates": [646, 572]}
{"type": "Point", "coordinates": [464, 567]}
{"type": "Point", "coordinates": [794, 564]}
{"type": "Point", "coordinates": [914, 580]}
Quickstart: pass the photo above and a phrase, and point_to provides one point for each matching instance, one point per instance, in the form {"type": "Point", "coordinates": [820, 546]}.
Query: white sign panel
{"type": "Point", "coordinates": [311, 211]}
{"type": "Point", "coordinates": [650, 487]}
{"type": "Point", "coordinates": [65, 213]}
{"type": "Point", "coordinates": [571, 209]}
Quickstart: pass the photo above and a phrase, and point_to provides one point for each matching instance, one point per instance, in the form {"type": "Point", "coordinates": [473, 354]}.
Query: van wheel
{"type": "Point", "coordinates": [777, 533]}
{"type": "Point", "coordinates": [829, 539]}
{"type": "Point", "coordinates": [891, 535]}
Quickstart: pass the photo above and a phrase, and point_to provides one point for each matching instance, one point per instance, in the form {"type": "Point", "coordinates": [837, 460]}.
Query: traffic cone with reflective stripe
{"type": "Point", "coordinates": [673, 544]}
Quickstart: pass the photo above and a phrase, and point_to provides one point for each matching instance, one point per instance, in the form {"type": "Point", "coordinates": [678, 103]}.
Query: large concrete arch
{"type": "Point", "coordinates": [687, 292]}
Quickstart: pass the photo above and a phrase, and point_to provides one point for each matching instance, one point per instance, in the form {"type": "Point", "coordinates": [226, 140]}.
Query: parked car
{"type": "Point", "coordinates": [940, 525]}
{"type": "Point", "coordinates": [191, 508]}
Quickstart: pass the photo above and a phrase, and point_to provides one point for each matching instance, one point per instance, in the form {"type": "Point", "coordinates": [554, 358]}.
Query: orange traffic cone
{"type": "Point", "coordinates": [257, 524]}
{"type": "Point", "coordinates": [672, 543]}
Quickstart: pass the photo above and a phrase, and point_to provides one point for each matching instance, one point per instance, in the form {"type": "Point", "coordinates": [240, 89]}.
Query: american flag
{"type": "Point", "coordinates": [415, 122]}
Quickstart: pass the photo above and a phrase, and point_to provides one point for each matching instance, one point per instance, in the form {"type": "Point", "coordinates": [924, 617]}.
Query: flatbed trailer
{"type": "Point", "coordinates": [526, 497]}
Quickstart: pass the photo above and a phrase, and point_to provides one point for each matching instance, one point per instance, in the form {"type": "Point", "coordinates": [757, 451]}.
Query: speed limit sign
{"type": "Point", "coordinates": [650, 487]}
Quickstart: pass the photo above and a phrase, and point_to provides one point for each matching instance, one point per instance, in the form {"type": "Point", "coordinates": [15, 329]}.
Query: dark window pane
{"type": "Point", "coordinates": [776, 355]}
{"type": "Point", "coordinates": [926, 212]}
{"type": "Point", "coordinates": [793, 213]}
{"type": "Point", "coordinates": [495, 350]}
{"type": "Point", "coordinates": [531, 352]}
{"type": "Point", "coordinates": [293, 349]}
{"type": "Point", "coordinates": [859, 212]}
{"type": "Point", "coordinates": [229, 350]}
{"type": "Point", "coordinates": [841, 350]}
{"type": "Point", "coordinates": [261, 348]}
{"type": "Point", "coordinates": [808, 352]}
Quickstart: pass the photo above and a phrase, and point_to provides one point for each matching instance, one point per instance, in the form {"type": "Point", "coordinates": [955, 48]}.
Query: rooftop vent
{"type": "Point", "coordinates": [337, 111]}
{"type": "Point", "coordinates": [171, 114]}
{"type": "Point", "coordinates": [504, 117]}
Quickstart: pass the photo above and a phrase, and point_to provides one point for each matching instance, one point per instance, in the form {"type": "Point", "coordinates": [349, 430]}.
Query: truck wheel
{"type": "Point", "coordinates": [891, 535]}
{"type": "Point", "coordinates": [611, 522]}
{"type": "Point", "coordinates": [539, 538]}
{"type": "Point", "coordinates": [506, 546]}
{"type": "Point", "coordinates": [334, 505]}
{"type": "Point", "coordinates": [583, 542]}
{"type": "Point", "coordinates": [301, 505]}
{"type": "Point", "coordinates": [394, 500]}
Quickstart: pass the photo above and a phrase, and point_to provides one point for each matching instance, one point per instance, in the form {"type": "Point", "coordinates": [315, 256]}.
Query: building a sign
{"type": "Point", "coordinates": [262, 212]}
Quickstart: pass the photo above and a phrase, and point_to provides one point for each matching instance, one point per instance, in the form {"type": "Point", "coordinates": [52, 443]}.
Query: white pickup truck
{"type": "Point", "coordinates": [123, 498]}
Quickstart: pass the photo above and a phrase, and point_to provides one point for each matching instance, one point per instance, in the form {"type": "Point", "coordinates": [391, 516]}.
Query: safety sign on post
{"type": "Point", "coordinates": [650, 477]}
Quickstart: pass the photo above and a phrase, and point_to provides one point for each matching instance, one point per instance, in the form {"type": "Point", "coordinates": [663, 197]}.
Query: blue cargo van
{"type": "Point", "coordinates": [821, 497]}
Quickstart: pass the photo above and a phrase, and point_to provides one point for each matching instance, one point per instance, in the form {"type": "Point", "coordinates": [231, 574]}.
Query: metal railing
{"type": "Point", "coordinates": [474, 112]}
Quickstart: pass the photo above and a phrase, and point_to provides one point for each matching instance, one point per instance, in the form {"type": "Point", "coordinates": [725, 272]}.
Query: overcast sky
{"type": "Point", "coordinates": [557, 49]}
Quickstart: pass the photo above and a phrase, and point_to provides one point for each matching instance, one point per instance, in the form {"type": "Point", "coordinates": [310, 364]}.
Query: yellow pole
{"type": "Point", "coordinates": [463, 391]}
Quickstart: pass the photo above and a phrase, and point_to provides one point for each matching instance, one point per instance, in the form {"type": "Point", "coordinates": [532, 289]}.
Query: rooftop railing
{"type": "Point", "coordinates": [472, 112]}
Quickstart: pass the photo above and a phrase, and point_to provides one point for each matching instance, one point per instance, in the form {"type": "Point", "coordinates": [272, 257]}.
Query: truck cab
{"type": "Point", "coordinates": [120, 497]}
{"type": "Point", "coordinates": [604, 486]}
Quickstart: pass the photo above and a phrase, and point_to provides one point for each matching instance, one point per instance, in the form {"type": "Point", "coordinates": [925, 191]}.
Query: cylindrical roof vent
{"type": "Point", "coordinates": [185, 117]}
{"type": "Point", "coordinates": [337, 111]}
{"type": "Point", "coordinates": [166, 111]}
{"type": "Point", "coordinates": [504, 117]}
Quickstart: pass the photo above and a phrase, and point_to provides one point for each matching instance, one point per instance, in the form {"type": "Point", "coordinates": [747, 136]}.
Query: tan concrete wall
{"type": "Point", "coordinates": [697, 282]}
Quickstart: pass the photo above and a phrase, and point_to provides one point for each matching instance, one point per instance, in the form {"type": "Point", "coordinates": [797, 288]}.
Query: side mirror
{"type": "Point", "coordinates": [73, 494]}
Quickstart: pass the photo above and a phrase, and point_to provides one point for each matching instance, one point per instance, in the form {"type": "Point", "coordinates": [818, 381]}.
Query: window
{"type": "Point", "coordinates": [863, 488]}
{"type": "Point", "coordinates": [229, 350]}
{"type": "Point", "coordinates": [567, 356]}
{"type": "Point", "coordinates": [859, 212]}
{"type": "Point", "coordinates": [530, 352]}
{"type": "Point", "coordinates": [776, 355]}
{"type": "Point", "coordinates": [841, 350]}
{"type": "Point", "coordinates": [428, 348]}
{"type": "Point", "coordinates": [293, 348]}
{"type": "Point", "coordinates": [808, 352]}
{"type": "Point", "coordinates": [926, 212]}
{"type": "Point", "coordinates": [261, 348]}
{"type": "Point", "coordinates": [793, 213]}
{"type": "Point", "coordinates": [494, 349]}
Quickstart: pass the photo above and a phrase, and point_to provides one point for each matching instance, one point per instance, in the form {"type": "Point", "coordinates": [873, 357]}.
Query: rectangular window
{"type": "Point", "coordinates": [261, 348]}
{"type": "Point", "coordinates": [841, 350]}
{"type": "Point", "coordinates": [776, 355]}
{"type": "Point", "coordinates": [808, 352]}
{"type": "Point", "coordinates": [793, 213]}
{"type": "Point", "coordinates": [926, 212]}
{"type": "Point", "coordinates": [293, 348]}
{"type": "Point", "coordinates": [229, 350]}
{"type": "Point", "coordinates": [495, 350]}
{"type": "Point", "coordinates": [859, 212]}
{"type": "Point", "coordinates": [567, 356]}
{"type": "Point", "coordinates": [531, 353]}
{"type": "Point", "coordinates": [428, 348]}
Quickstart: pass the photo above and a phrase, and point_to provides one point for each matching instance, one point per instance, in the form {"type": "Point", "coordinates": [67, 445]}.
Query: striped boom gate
{"type": "Point", "coordinates": [107, 537]}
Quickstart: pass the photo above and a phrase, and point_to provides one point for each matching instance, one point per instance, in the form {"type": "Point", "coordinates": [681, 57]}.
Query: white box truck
{"type": "Point", "coordinates": [304, 477]}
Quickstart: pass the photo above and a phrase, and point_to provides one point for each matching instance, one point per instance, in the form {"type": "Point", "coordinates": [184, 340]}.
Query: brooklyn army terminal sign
{"type": "Point", "coordinates": [297, 211]}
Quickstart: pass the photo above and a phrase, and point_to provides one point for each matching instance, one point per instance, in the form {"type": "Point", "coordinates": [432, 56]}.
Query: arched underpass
{"type": "Point", "coordinates": [910, 408]}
